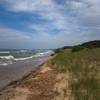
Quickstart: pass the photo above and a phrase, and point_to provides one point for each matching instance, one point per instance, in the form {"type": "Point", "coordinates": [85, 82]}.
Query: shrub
{"type": "Point", "coordinates": [57, 51]}
{"type": "Point", "coordinates": [77, 48]}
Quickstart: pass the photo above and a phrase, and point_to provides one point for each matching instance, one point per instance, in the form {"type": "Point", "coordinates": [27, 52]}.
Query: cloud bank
{"type": "Point", "coordinates": [49, 23]}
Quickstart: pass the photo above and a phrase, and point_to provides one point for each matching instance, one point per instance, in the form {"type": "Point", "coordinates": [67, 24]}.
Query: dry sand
{"type": "Point", "coordinates": [44, 84]}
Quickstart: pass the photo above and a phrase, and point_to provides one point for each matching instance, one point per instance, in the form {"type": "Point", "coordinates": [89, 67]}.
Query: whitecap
{"type": "Point", "coordinates": [7, 57]}
{"type": "Point", "coordinates": [5, 52]}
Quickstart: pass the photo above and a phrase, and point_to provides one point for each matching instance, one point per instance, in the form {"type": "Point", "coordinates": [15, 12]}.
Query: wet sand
{"type": "Point", "coordinates": [45, 83]}
{"type": "Point", "coordinates": [38, 85]}
{"type": "Point", "coordinates": [19, 69]}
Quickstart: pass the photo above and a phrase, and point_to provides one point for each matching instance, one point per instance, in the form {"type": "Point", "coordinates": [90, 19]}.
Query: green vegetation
{"type": "Point", "coordinates": [77, 48]}
{"type": "Point", "coordinates": [57, 50]}
{"type": "Point", "coordinates": [89, 45]}
{"type": "Point", "coordinates": [84, 69]}
{"type": "Point", "coordinates": [92, 44]}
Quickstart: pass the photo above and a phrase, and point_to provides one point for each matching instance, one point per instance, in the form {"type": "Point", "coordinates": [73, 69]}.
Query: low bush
{"type": "Point", "coordinates": [77, 48]}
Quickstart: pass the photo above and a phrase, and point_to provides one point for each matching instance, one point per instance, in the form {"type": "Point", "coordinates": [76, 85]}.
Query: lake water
{"type": "Point", "coordinates": [15, 67]}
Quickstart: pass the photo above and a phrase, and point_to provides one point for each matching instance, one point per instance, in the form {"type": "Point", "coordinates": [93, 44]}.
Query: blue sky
{"type": "Point", "coordinates": [37, 24]}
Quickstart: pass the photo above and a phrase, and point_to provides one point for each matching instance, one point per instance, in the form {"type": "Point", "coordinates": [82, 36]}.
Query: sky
{"type": "Point", "coordinates": [46, 24]}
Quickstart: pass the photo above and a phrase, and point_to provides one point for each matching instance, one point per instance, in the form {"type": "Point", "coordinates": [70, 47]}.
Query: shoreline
{"type": "Point", "coordinates": [18, 71]}
{"type": "Point", "coordinates": [12, 85]}
{"type": "Point", "coordinates": [45, 83]}
{"type": "Point", "coordinates": [16, 82]}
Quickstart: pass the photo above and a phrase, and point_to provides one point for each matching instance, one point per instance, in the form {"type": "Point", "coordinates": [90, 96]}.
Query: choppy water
{"type": "Point", "coordinates": [20, 66]}
{"type": "Point", "coordinates": [11, 56]}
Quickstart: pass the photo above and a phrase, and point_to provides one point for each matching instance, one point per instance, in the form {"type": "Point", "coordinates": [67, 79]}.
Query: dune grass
{"type": "Point", "coordinates": [84, 67]}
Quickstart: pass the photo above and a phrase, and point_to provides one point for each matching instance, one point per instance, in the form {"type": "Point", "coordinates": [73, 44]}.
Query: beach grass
{"type": "Point", "coordinates": [84, 68]}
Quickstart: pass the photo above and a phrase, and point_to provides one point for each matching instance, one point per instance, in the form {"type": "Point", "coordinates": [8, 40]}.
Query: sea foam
{"type": "Point", "coordinates": [5, 60]}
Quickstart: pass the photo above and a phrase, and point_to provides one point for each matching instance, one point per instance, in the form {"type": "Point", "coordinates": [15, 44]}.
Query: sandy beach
{"type": "Point", "coordinates": [38, 85]}
{"type": "Point", "coordinates": [16, 71]}
{"type": "Point", "coordinates": [45, 83]}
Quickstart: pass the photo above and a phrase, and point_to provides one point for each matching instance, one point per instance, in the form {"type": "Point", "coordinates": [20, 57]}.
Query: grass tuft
{"type": "Point", "coordinates": [85, 68]}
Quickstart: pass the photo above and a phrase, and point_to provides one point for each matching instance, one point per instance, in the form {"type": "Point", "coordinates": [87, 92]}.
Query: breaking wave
{"type": "Point", "coordinates": [10, 59]}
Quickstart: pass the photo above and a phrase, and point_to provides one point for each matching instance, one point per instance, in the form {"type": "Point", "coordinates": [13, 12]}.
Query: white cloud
{"type": "Point", "coordinates": [10, 38]}
{"type": "Point", "coordinates": [78, 20]}
{"type": "Point", "coordinates": [17, 39]}
{"type": "Point", "coordinates": [13, 38]}
{"type": "Point", "coordinates": [89, 11]}
{"type": "Point", "coordinates": [28, 5]}
{"type": "Point", "coordinates": [46, 9]}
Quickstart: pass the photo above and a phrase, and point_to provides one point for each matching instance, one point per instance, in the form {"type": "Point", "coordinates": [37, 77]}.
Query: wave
{"type": "Point", "coordinates": [5, 60]}
{"type": "Point", "coordinates": [3, 64]}
{"type": "Point", "coordinates": [17, 59]}
{"type": "Point", "coordinates": [7, 57]}
{"type": "Point", "coordinates": [36, 55]}
{"type": "Point", "coordinates": [7, 52]}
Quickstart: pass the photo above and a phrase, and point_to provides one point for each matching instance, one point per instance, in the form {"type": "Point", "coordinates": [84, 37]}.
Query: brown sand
{"type": "Point", "coordinates": [44, 84]}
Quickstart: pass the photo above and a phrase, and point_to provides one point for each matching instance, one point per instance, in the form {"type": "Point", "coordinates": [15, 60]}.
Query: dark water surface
{"type": "Point", "coordinates": [19, 69]}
